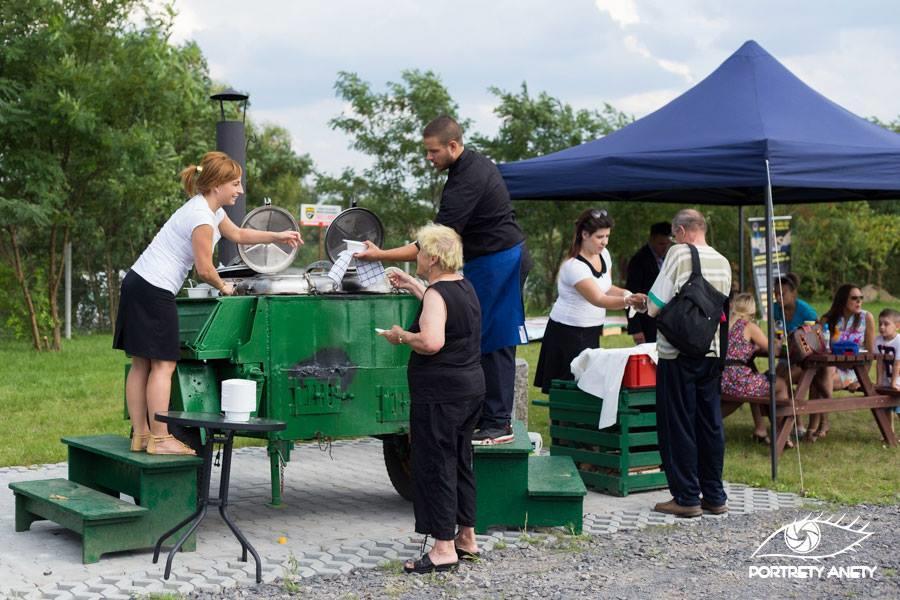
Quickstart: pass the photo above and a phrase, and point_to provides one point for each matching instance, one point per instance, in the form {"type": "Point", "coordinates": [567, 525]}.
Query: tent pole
{"type": "Point", "coordinates": [741, 246]}
{"type": "Point", "coordinates": [770, 318]}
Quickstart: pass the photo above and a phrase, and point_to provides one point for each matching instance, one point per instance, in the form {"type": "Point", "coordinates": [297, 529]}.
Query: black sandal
{"type": "Point", "coordinates": [466, 555]}
{"type": "Point", "coordinates": [424, 565]}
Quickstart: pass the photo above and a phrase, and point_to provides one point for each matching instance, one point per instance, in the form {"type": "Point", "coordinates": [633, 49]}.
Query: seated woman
{"type": "Point", "coordinates": [847, 322]}
{"type": "Point", "coordinates": [745, 339]}
{"type": "Point", "coordinates": [585, 288]}
{"type": "Point", "coordinates": [790, 310]}
{"type": "Point", "coordinates": [446, 388]}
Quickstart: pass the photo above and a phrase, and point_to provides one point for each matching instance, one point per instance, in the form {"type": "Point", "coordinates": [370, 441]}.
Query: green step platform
{"type": "Point", "coordinates": [618, 460]}
{"type": "Point", "coordinates": [520, 490]}
{"type": "Point", "coordinates": [101, 468]}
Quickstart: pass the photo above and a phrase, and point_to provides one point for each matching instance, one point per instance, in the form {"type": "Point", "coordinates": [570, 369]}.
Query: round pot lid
{"type": "Point", "coordinates": [358, 224]}
{"type": "Point", "coordinates": [268, 258]}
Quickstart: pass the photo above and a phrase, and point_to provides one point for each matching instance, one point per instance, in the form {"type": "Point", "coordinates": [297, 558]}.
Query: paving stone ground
{"type": "Point", "coordinates": [340, 513]}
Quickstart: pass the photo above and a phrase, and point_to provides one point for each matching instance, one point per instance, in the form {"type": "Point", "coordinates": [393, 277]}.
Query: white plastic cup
{"type": "Point", "coordinates": [537, 442]}
{"type": "Point", "coordinates": [238, 399]}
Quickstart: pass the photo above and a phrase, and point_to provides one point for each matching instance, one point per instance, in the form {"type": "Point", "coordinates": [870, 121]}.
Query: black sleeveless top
{"type": "Point", "coordinates": [454, 372]}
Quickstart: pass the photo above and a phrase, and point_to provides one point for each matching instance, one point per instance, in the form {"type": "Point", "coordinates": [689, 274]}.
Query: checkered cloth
{"type": "Point", "coordinates": [369, 273]}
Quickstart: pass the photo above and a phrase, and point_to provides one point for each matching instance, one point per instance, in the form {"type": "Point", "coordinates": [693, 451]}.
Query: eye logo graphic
{"type": "Point", "coordinates": [803, 536]}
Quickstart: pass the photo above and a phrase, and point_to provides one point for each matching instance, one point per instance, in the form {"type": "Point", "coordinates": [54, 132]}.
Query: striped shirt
{"type": "Point", "coordinates": [675, 272]}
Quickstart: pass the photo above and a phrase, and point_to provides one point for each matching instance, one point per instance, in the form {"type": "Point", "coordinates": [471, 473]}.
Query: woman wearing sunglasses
{"type": "Point", "coordinates": [585, 293]}
{"type": "Point", "coordinates": [847, 322]}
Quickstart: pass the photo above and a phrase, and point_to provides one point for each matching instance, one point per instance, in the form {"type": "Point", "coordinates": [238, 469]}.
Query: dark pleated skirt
{"type": "Point", "coordinates": [561, 344]}
{"type": "Point", "coordinates": [147, 323]}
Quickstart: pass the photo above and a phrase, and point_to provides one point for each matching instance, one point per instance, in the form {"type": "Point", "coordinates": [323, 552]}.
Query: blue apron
{"type": "Point", "coordinates": [495, 278]}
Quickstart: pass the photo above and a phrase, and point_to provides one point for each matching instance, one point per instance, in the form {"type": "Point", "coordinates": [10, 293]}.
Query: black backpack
{"type": "Point", "coordinates": [690, 320]}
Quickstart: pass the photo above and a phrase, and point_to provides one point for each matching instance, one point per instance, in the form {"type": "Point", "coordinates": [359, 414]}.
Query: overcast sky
{"type": "Point", "coordinates": [634, 54]}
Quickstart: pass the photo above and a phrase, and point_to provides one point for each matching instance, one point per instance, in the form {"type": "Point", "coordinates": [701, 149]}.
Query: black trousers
{"type": "Point", "coordinates": [499, 369]}
{"type": "Point", "coordinates": [689, 422]}
{"type": "Point", "coordinates": [443, 479]}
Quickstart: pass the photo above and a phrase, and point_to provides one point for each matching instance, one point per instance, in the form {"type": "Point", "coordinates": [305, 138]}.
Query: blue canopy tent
{"type": "Point", "coordinates": [710, 146]}
{"type": "Point", "coordinates": [751, 133]}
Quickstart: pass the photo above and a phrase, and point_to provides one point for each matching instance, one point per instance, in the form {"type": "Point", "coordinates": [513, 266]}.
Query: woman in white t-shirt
{"type": "Point", "coordinates": [147, 322]}
{"type": "Point", "coordinates": [585, 292]}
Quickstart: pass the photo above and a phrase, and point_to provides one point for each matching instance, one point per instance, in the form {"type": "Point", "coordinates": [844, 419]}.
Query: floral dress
{"type": "Point", "coordinates": [741, 380]}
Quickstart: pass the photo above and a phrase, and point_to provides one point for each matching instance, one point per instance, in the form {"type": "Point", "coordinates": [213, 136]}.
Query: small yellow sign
{"type": "Point", "coordinates": [318, 215]}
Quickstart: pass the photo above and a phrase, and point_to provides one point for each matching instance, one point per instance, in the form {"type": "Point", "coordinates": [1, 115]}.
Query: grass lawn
{"type": "Point", "coordinates": [78, 391]}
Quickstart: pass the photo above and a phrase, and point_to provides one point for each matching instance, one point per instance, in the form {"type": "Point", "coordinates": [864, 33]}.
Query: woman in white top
{"type": "Point", "coordinates": [585, 289]}
{"type": "Point", "coordinates": [147, 323]}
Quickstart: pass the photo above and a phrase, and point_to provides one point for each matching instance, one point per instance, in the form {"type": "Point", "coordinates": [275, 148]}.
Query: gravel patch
{"type": "Point", "coordinates": [690, 558]}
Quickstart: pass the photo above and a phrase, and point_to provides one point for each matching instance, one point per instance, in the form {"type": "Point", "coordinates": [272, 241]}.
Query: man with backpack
{"type": "Point", "coordinates": [689, 416]}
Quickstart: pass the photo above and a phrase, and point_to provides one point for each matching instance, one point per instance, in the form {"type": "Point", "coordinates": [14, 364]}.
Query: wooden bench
{"type": "Point", "coordinates": [878, 401]}
{"type": "Point", "coordinates": [106, 524]}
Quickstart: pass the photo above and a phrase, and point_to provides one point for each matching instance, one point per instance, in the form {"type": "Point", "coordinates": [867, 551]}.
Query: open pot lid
{"type": "Point", "coordinates": [355, 223]}
{"type": "Point", "coordinates": [268, 258]}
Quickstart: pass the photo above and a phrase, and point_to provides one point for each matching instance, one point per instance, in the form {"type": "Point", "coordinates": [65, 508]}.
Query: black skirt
{"type": "Point", "coordinates": [147, 323]}
{"type": "Point", "coordinates": [561, 344]}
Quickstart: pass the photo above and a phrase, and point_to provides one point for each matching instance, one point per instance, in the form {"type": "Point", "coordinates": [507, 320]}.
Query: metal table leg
{"type": "Point", "coordinates": [199, 514]}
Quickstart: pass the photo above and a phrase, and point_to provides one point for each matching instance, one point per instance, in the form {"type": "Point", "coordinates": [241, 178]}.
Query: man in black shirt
{"type": "Point", "coordinates": [642, 270]}
{"type": "Point", "coordinates": [476, 203]}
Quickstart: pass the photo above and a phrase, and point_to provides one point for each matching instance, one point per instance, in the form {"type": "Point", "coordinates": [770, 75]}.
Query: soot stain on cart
{"type": "Point", "coordinates": [327, 364]}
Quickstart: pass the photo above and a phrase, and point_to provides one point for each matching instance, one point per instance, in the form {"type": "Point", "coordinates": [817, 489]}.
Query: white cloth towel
{"type": "Point", "coordinates": [369, 272]}
{"type": "Point", "coordinates": [599, 372]}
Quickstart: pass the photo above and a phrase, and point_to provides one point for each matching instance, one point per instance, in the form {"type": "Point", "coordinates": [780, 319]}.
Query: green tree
{"type": "Point", "coordinates": [98, 115]}
{"type": "Point", "coordinates": [401, 186]}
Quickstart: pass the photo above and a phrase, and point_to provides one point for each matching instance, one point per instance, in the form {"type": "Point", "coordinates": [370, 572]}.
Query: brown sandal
{"type": "Point", "coordinates": [168, 444]}
{"type": "Point", "coordinates": [139, 442]}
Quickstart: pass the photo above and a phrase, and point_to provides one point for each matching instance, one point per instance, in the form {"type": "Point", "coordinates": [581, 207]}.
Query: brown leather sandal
{"type": "Point", "coordinates": [139, 442]}
{"type": "Point", "coordinates": [168, 444]}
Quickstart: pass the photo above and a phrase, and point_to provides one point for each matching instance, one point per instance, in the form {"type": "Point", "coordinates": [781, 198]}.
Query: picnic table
{"type": "Point", "coordinates": [879, 403]}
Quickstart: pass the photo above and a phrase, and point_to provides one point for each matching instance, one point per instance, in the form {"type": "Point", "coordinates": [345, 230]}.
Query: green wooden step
{"type": "Point", "coordinates": [165, 485]}
{"type": "Point", "coordinates": [520, 444]}
{"type": "Point", "coordinates": [76, 499]}
{"type": "Point", "coordinates": [118, 448]}
{"type": "Point", "coordinates": [554, 476]}
{"type": "Point", "coordinates": [105, 523]}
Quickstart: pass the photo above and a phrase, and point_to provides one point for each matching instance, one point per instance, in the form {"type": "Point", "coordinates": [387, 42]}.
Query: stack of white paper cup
{"type": "Point", "coordinates": [238, 399]}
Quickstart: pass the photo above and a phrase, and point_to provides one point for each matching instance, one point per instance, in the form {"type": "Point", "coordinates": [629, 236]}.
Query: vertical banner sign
{"type": "Point", "coordinates": [781, 255]}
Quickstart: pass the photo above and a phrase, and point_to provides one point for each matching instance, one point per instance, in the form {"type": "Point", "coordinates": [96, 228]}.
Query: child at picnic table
{"type": "Point", "coordinates": [745, 339]}
{"type": "Point", "coordinates": [888, 345]}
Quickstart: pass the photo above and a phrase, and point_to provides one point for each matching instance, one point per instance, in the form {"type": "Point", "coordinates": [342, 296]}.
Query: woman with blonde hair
{"type": "Point", "coordinates": [446, 388]}
{"type": "Point", "coordinates": [745, 340]}
{"type": "Point", "coordinates": [147, 323]}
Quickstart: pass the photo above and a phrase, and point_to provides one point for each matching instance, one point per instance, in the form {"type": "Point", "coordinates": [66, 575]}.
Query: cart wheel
{"type": "Point", "coordinates": [398, 463]}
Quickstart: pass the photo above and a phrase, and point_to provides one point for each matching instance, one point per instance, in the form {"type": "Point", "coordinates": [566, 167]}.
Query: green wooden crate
{"type": "Point", "coordinates": [619, 459]}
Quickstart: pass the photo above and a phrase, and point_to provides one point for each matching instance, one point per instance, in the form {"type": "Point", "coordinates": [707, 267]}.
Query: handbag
{"type": "Point", "coordinates": [804, 341]}
{"type": "Point", "coordinates": [690, 320]}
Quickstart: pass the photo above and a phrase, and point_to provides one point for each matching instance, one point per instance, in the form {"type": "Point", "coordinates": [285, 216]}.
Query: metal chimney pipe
{"type": "Point", "coordinates": [231, 140]}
